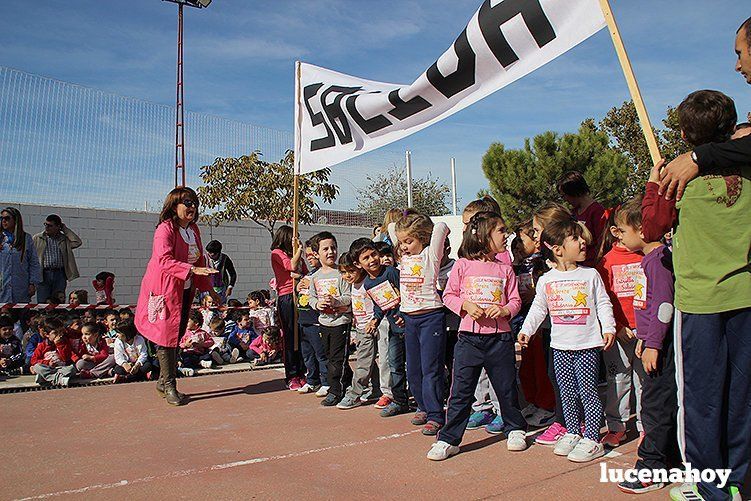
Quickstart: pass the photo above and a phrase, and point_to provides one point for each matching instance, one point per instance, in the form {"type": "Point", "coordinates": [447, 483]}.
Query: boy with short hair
{"type": "Point", "coordinates": [653, 309]}
{"type": "Point", "coordinates": [52, 359]}
{"type": "Point", "coordinates": [110, 323]}
{"type": "Point", "coordinates": [711, 242]}
{"type": "Point", "coordinates": [382, 284]}
{"type": "Point", "coordinates": [240, 337]}
{"type": "Point", "coordinates": [574, 189]}
{"type": "Point", "coordinates": [332, 297]}
{"type": "Point", "coordinates": [366, 369]}
{"type": "Point", "coordinates": [311, 345]}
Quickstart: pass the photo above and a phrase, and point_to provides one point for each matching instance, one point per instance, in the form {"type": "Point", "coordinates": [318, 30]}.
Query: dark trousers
{"type": "Point", "coordinates": [336, 343]}
{"type": "Point", "coordinates": [313, 354]}
{"type": "Point", "coordinates": [293, 365]}
{"type": "Point", "coordinates": [193, 360]}
{"type": "Point", "coordinates": [448, 360]}
{"type": "Point", "coordinates": [473, 352]}
{"type": "Point", "coordinates": [545, 333]}
{"type": "Point", "coordinates": [713, 366]}
{"type": "Point", "coordinates": [659, 408]}
{"type": "Point", "coordinates": [425, 342]}
{"type": "Point", "coordinates": [53, 280]}
{"type": "Point", "coordinates": [397, 363]}
{"type": "Point", "coordinates": [141, 374]}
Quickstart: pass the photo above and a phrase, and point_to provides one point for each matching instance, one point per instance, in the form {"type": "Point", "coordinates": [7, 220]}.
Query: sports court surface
{"type": "Point", "coordinates": [245, 436]}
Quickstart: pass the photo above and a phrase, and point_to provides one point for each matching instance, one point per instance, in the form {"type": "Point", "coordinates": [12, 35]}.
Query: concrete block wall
{"type": "Point", "coordinates": [120, 242]}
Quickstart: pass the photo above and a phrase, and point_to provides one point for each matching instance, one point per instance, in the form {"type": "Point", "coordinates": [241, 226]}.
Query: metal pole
{"type": "Point", "coordinates": [179, 111]}
{"type": "Point", "coordinates": [409, 179]}
{"type": "Point", "coordinates": [453, 184]}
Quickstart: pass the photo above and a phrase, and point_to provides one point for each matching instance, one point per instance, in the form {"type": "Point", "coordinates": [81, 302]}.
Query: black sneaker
{"type": "Point", "coordinates": [638, 487]}
{"type": "Point", "coordinates": [394, 409]}
{"type": "Point", "coordinates": [330, 401]}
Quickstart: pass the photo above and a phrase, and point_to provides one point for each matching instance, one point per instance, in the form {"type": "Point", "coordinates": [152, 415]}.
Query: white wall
{"type": "Point", "coordinates": [120, 242]}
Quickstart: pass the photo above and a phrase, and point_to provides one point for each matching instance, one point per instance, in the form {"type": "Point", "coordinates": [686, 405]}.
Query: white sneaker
{"type": "Point", "coordinates": [322, 391]}
{"type": "Point", "coordinates": [516, 440]}
{"type": "Point", "coordinates": [442, 450]}
{"type": "Point", "coordinates": [207, 364]}
{"type": "Point", "coordinates": [306, 388]}
{"type": "Point", "coordinates": [586, 450]}
{"type": "Point", "coordinates": [566, 444]}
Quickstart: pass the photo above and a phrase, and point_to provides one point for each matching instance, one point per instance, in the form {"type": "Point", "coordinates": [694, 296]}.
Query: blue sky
{"type": "Point", "coordinates": [240, 55]}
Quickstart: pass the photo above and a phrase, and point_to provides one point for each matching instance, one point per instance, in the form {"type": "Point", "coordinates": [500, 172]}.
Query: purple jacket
{"type": "Point", "coordinates": [653, 298]}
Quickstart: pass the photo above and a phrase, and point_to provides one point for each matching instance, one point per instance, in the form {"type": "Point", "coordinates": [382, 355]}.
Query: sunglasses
{"type": "Point", "coordinates": [49, 225]}
{"type": "Point", "coordinates": [7, 218]}
{"type": "Point", "coordinates": [189, 203]}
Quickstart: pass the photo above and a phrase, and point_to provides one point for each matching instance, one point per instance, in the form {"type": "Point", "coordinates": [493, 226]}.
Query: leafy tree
{"type": "Point", "coordinates": [388, 190]}
{"type": "Point", "coordinates": [251, 188]}
{"type": "Point", "coordinates": [521, 179]}
{"type": "Point", "coordinates": [621, 124]}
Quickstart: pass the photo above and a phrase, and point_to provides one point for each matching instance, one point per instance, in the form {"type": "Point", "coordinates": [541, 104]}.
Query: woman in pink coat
{"type": "Point", "coordinates": [176, 269]}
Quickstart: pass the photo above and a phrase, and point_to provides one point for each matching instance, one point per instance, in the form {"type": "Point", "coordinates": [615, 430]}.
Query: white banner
{"type": "Point", "coordinates": [338, 116]}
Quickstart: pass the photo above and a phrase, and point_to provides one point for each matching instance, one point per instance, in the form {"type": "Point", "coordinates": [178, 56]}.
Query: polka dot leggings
{"type": "Point", "coordinates": [576, 372]}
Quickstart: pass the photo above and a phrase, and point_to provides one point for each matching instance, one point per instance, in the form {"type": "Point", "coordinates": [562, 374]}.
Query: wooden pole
{"type": "Point", "coordinates": [633, 86]}
{"type": "Point", "coordinates": [295, 204]}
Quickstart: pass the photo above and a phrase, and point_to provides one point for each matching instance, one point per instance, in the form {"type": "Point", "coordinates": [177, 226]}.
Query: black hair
{"type": "Point", "coordinates": [476, 238]}
{"type": "Point", "coordinates": [51, 323]}
{"type": "Point", "coordinates": [127, 312]}
{"type": "Point", "coordinates": [104, 275]}
{"type": "Point", "coordinates": [384, 249]}
{"type": "Point", "coordinates": [361, 245]}
{"type": "Point", "coordinates": [196, 317]}
{"type": "Point", "coordinates": [6, 321]}
{"type": "Point", "coordinates": [234, 303]}
{"type": "Point", "coordinates": [346, 262]}
{"type": "Point", "coordinates": [573, 184]}
{"type": "Point", "coordinates": [214, 247]}
{"type": "Point", "coordinates": [283, 239]}
{"type": "Point", "coordinates": [258, 296]}
{"type": "Point", "coordinates": [127, 328]}
{"type": "Point", "coordinates": [309, 243]}
{"type": "Point", "coordinates": [607, 239]}
{"type": "Point", "coordinates": [319, 237]}
{"type": "Point", "coordinates": [556, 233]}
{"type": "Point", "coordinates": [707, 116]}
{"type": "Point", "coordinates": [54, 218]}
{"type": "Point", "coordinates": [98, 329]}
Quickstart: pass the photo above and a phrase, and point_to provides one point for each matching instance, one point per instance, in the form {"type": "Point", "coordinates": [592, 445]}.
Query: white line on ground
{"type": "Point", "coordinates": [216, 467]}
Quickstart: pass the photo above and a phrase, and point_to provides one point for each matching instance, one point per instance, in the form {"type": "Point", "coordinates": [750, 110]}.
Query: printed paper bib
{"type": "Point", "coordinates": [568, 302]}
{"type": "Point", "coordinates": [625, 277]}
{"type": "Point", "coordinates": [412, 276]}
{"type": "Point", "coordinates": [640, 291]}
{"type": "Point", "coordinates": [385, 296]}
{"type": "Point", "coordinates": [484, 291]}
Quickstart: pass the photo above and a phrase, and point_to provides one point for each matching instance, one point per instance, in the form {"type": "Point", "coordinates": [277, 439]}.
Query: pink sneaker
{"type": "Point", "coordinates": [551, 435]}
{"type": "Point", "coordinates": [613, 438]}
{"type": "Point", "coordinates": [294, 384]}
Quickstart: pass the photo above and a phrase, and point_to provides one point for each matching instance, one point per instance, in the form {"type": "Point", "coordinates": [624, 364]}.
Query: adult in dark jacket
{"type": "Point", "coordinates": [224, 281]}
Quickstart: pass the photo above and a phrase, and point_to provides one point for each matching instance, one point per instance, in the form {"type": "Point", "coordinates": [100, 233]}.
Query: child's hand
{"type": "Point", "coordinates": [3, 362]}
{"type": "Point", "coordinates": [639, 348]}
{"type": "Point", "coordinates": [473, 310]}
{"type": "Point", "coordinates": [399, 321]}
{"type": "Point", "coordinates": [654, 173]}
{"type": "Point", "coordinates": [523, 339]}
{"type": "Point", "coordinates": [609, 339]}
{"type": "Point", "coordinates": [127, 367]}
{"type": "Point", "coordinates": [371, 326]}
{"type": "Point", "coordinates": [303, 284]}
{"type": "Point", "coordinates": [134, 368]}
{"type": "Point", "coordinates": [625, 334]}
{"type": "Point", "coordinates": [649, 360]}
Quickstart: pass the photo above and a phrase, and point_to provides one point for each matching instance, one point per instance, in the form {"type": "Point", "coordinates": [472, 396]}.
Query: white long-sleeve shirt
{"type": "Point", "coordinates": [418, 277]}
{"type": "Point", "coordinates": [580, 309]}
{"type": "Point", "coordinates": [131, 353]}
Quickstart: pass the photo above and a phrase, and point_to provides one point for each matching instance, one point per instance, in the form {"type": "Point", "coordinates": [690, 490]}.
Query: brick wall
{"type": "Point", "coordinates": [120, 242]}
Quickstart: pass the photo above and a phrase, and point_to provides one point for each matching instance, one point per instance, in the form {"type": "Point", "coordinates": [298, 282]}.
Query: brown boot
{"type": "Point", "coordinates": [161, 355]}
{"type": "Point", "coordinates": [172, 358]}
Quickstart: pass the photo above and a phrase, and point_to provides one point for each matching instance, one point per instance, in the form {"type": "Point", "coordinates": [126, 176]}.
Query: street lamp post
{"type": "Point", "coordinates": [180, 101]}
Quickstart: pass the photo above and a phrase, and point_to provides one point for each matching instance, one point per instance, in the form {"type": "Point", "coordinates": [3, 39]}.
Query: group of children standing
{"type": "Point", "coordinates": [589, 295]}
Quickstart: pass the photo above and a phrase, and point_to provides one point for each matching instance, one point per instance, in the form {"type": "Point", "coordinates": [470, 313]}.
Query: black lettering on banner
{"type": "Point", "coordinates": [368, 125]}
{"type": "Point", "coordinates": [317, 119]}
{"type": "Point", "coordinates": [405, 109]}
{"type": "Point", "coordinates": [335, 113]}
{"type": "Point", "coordinates": [492, 18]}
{"type": "Point", "coordinates": [463, 77]}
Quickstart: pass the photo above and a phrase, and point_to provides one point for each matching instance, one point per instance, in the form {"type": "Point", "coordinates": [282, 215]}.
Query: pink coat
{"type": "Point", "coordinates": [161, 298]}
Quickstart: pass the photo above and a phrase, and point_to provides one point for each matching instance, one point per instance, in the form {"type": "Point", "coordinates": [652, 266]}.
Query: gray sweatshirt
{"type": "Point", "coordinates": [330, 283]}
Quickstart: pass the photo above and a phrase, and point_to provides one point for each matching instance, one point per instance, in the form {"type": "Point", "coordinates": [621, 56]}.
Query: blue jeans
{"type": "Point", "coordinates": [425, 341]}
{"type": "Point", "coordinates": [313, 354]}
{"type": "Point", "coordinates": [714, 394]}
{"type": "Point", "coordinates": [397, 363]}
{"type": "Point", "coordinates": [52, 281]}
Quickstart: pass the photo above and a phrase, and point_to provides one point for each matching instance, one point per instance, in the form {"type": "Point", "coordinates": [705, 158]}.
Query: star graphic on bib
{"type": "Point", "coordinates": [639, 291]}
{"type": "Point", "coordinates": [416, 270]}
{"type": "Point", "coordinates": [497, 295]}
{"type": "Point", "coordinates": [388, 295]}
{"type": "Point", "coordinates": [332, 290]}
{"type": "Point", "coordinates": [359, 305]}
{"type": "Point", "coordinates": [580, 299]}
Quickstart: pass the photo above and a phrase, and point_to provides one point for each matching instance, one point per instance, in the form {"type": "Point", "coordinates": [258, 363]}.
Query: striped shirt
{"type": "Point", "coordinates": [53, 255]}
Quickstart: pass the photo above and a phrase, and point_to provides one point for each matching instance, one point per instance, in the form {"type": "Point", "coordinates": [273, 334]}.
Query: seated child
{"type": "Point", "coordinates": [11, 355]}
{"type": "Point", "coordinates": [110, 323]}
{"type": "Point", "coordinates": [131, 356]}
{"type": "Point", "coordinates": [52, 359]}
{"type": "Point", "coordinates": [196, 344]}
{"type": "Point", "coordinates": [221, 353]}
{"type": "Point", "coordinates": [209, 312]}
{"type": "Point", "coordinates": [91, 355]}
{"type": "Point", "coordinates": [260, 313]}
{"type": "Point", "coordinates": [241, 335]}
{"type": "Point", "coordinates": [32, 337]}
{"type": "Point", "coordinates": [266, 349]}
{"type": "Point", "coordinates": [78, 297]}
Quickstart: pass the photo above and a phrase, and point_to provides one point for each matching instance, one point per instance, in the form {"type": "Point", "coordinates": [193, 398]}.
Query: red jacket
{"type": "Point", "coordinates": [657, 214]}
{"type": "Point", "coordinates": [618, 269]}
{"type": "Point", "coordinates": [101, 351]}
{"type": "Point", "coordinates": [62, 349]}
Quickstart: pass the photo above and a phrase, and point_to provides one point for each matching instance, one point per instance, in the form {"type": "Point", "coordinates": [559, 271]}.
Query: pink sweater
{"type": "Point", "coordinates": [484, 283]}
